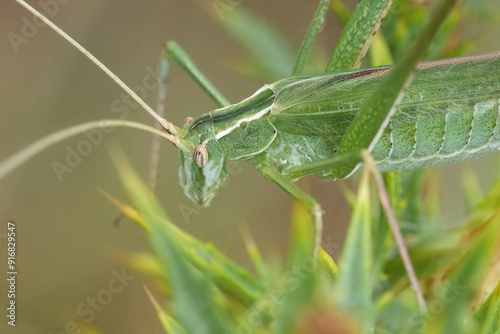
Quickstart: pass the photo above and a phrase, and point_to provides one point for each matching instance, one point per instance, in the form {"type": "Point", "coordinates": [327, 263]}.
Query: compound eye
{"type": "Point", "coordinates": [200, 155]}
{"type": "Point", "coordinates": [187, 121]}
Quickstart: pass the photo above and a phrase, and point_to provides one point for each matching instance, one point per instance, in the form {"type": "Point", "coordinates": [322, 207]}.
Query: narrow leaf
{"type": "Point", "coordinates": [379, 52]}
{"type": "Point", "coordinates": [486, 319]}
{"type": "Point", "coordinates": [356, 37]}
{"type": "Point", "coordinates": [341, 12]}
{"type": "Point", "coordinates": [353, 283]}
{"type": "Point", "coordinates": [169, 324]}
{"type": "Point", "coordinates": [312, 32]}
{"type": "Point", "coordinates": [304, 268]}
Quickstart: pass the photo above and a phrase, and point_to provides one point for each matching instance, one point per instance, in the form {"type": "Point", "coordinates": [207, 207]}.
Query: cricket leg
{"type": "Point", "coordinates": [310, 203]}
{"type": "Point", "coordinates": [393, 224]}
{"type": "Point", "coordinates": [331, 164]}
{"type": "Point", "coordinates": [160, 110]}
{"type": "Point", "coordinates": [174, 51]}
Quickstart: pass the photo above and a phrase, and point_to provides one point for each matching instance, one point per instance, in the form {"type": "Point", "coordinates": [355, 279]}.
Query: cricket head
{"type": "Point", "coordinates": [202, 171]}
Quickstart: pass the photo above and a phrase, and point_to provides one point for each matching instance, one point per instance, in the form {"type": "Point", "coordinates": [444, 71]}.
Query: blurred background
{"type": "Point", "coordinates": [68, 248]}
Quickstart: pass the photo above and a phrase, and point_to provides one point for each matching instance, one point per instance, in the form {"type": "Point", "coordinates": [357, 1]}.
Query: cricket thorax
{"type": "Point", "coordinates": [233, 132]}
{"type": "Point", "coordinates": [243, 129]}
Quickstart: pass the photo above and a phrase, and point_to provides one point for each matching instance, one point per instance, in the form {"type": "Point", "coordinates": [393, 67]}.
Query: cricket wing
{"type": "Point", "coordinates": [449, 113]}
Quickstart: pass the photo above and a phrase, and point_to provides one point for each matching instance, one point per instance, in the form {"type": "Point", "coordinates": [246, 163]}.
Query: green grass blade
{"type": "Point", "coordinates": [380, 54]}
{"type": "Point", "coordinates": [377, 110]}
{"type": "Point", "coordinates": [169, 324]}
{"type": "Point", "coordinates": [333, 163]}
{"type": "Point", "coordinates": [486, 319]}
{"type": "Point", "coordinates": [254, 254]}
{"type": "Point", "coordinates": [413, 187]}
{"type": "Point", "coordinates": [357, 35]}
{"type": "Point", "coordinates": [230, 278]}
{"type": "Point", "coordinates": [296, 301]}
{"type": "Point", "coordinates": [341, 12]}
{"type": "Point", "coordinates": [312, 32]}
{"type": "Point", "coordinates": [353, 288]}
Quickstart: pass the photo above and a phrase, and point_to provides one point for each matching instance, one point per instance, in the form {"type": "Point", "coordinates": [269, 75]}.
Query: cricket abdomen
{"type": "Point", "coordinates": [462, 130]}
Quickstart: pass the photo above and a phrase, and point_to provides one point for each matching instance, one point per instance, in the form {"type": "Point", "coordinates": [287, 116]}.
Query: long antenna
{"type": "Point", "coordinates": [30, 151]}
{"type": "Point", "coordinates": [169, 127]}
